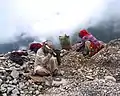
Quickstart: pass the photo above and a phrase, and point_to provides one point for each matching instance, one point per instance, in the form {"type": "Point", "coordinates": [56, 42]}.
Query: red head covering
{"type": "Point", "coordinates": [83, 33]}
{"type": "Point", "coordinates": [35, 45]}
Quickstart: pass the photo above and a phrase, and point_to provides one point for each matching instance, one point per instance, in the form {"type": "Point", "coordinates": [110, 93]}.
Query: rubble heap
{"type": "Point", "coordinates": [109, 58]}
{"type": "Point", "coordinates": [96, 76]}
{"type": "Point", "coordinates": [13, 82]}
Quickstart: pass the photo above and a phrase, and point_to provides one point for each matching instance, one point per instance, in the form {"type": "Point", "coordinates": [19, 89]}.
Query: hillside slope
{"type": "Point", "coordinates": [96, 76]}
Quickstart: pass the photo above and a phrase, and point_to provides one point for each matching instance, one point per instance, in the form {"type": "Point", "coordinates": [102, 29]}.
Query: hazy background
{"type": "Point", "coordinates": [23, 21]}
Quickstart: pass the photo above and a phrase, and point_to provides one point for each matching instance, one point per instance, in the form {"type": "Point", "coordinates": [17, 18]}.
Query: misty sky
{"type": "Point", "coordinates": [46, 17]}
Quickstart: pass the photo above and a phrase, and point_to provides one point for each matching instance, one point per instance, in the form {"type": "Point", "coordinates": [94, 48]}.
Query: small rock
{"type": "Point", "coordinates": [1, 68]}
{"type": "Point", "coordinates": [105, 91]}
{"type": "Point", "coordinates": [9, 61]}
{"type": "Point", "coordinates": [26, 92]}
{"type": "Point", "coordinates": [2, 58]}
{"type": "Point", "coordinates": [47, 83]}
{"type": "Point", "coordinates": [24, 66]}
{"type": "Point", "coordinates": [22, 92]}
{"type": "Point", "coordinates": [31, 89]}
{"type": "Point", "coordinates": [27, 83]}
{"type": "Point", "coordinates": [4, 85]}
{"type": "Point", "coordinates": [21, 67]}
{"type": "Point", "coordinates": [35, 86]}
{"type": "Point", "coordinates": [79, 70]}
{"type": "Point", "coordinates": [22, 95]}
{"type": "Point", "coordinates": [2, 71]}
{"type": "Point", "coordinates": [58, 83]}
{"type": "Point", "coordinates": [1, 55]}
{"type": "Point", "coordinates": [110, 78]}
{"type": "Point", "coordinates": [14, 95]}
{"type": "Point", "coordinates": [15, 91]}
{"type": "Point", "coordinates": [4, 78]}
{"type": "Point", "coordinates": [30, 81]}
{"type": "Point", "coordinates": [15, 81]}
{"type": "Point", "coordinates": [4, 94]}
{"type": "Point", "coordinates": [15, 74]}
{"type": "Point", "coordinates": [25, 87]}
{"type": "Point", "coordinates": [17, 65]}
{"type": "Point", "coordinates": [102, 80]}
{"type": "Point", "coordinates": [61, 54]}
{"type": "Point", "coordinates": [78, 55]}
{"type": "Point", "coordinates": [9, 78]}
{"type": "Point", "coordinates": [31, 62]}
{"type": "Point", "coordinates": [3, 89]}
{"type": "Point", "coordinates": [30, 92]}
{"type": "Point", "coordinates": [21, 85]}
{"type": "Point", "coordinates": [14, 64]}
{"type": "Point", "coordinates": [8, 70]}
{"type": "Point", "coordinates": [1, 82]}
{"type": "Point", "coordinates": [40, 87]}
{"type": "Point", "coordinates": [90, 70]}
{"type": "Point", "coordinates": [10, 82]}
{"type": "Point", "coordinates": [90, 77]}
{"type": "Point", "coordinates": [57, 79]}
{"type": "Point", "coordinates": [74, 71]}
{"type": "Point", "coordinates": [37, 92]}
{"type": "Point", "coordinates": [9, 89]}
{"type": "Point", "coordinates": [14, 68]}
{"type": "Point", "coordinates": [62, 72]}
{"type": "Point", "coordinates": [12, 86]}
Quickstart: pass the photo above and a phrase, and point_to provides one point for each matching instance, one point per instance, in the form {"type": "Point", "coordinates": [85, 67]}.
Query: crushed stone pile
{"type": "Point", "coordinates": [85, 75]}
{"type": "Point", "coordinates": [13, 81]}
{"type": "Point", "coordinates": [96, 76]}
{"type": "Point", "coordinates": [109, 58]}
{"type": "Point", "coordinates": [101, 87]}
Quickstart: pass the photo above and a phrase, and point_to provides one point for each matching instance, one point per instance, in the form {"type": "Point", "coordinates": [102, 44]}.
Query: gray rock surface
{"type": "Point", "coordinates": [15, 74]}
{"type": "Point", "coordinates": [1, 82]}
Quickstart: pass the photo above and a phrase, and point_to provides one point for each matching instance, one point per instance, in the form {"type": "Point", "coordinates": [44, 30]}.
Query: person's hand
{"type": "Point", "coordinates": [50, 51]}
{"type": "Point", "coordinates": [49, 55]}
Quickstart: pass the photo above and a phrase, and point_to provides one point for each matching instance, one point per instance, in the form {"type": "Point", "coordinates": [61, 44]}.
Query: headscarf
{"type": "Point", "coordinates": [83, 33]}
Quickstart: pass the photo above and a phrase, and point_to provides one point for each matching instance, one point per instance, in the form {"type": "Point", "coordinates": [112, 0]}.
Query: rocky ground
{"type": "Point", "coordinates": [82, 76]}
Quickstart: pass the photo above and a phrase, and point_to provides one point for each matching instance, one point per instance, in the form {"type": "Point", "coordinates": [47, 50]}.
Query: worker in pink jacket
{"type": "Point", "coordinates": [90, 44]}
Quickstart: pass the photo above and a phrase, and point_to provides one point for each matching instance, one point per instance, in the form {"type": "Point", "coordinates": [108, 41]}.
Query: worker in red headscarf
{"type": "Point", "coordinates": [90, 43]}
